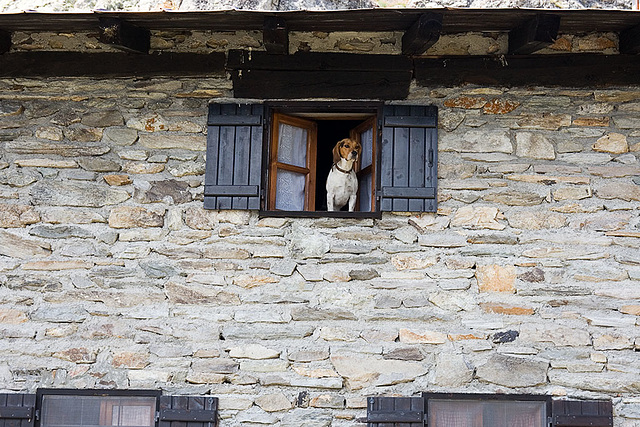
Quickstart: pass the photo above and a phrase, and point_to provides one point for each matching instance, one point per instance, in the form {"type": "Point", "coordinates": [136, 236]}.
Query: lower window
{"type": "Point", "coordinates": [61, 408]}
{"type": "Point", "coordinates": [486, 413]}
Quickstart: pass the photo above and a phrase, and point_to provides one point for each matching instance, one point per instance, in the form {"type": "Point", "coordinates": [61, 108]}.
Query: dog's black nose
{"type": "Point", "coordinates": [354, 153]}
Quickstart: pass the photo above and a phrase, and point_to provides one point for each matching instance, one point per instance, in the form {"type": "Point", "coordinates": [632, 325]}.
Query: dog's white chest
{"type": "Point", "coordinates": [342, 186]}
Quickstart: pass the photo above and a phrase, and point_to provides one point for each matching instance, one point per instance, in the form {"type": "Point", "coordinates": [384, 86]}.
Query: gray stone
{"type": "Point", "coordinates": [103, 118]}
{"type": "Point", "coordinates": [33, 283]}
{"type": "Point", "coordinates": [61, 149]}
{"type": "Point", "coordinates": [76, 194]}
{"type": "Point", "coordinates": [307, 244]}
{"type": "Point", "coordinates": [477, 142]}
{"type": "Point", "coordinates": [452, 370]}
{"type": "Point", "coordinates": [600, 382]}
{"type": "Point", "coordinates": [511, 371]}
{"type": "Point", "coordinates": [60, 314]}
{"type": "Point", "coordinates": [158, 269]}
{"type": "Point", "coordinates": [266, 332]}
{"type": "Point", "coordinates": [307, 418]}
{"type": "Point", "coordinates": [364, 274]}
{"type": "Point", "coordinates": [283, 268]}
{"type": "Point", "coordinates": [535, 146]}
{"type": "Point", "coordinates": [316, 314]}
{"type": "Point", "coordinates": [98, 164]}
{"type": "Point", "coordinates": [404, 353]}
{"type": "Point", "coordinates": [175, 191]}
{"type": "Point", "coordinates": [60, 232]}
{"type": "Point", "coordinates": [514, 198]}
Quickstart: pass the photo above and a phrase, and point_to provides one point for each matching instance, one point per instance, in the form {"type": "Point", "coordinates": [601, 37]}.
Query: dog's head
{"type": "Point", "coordinates": [347, 149]}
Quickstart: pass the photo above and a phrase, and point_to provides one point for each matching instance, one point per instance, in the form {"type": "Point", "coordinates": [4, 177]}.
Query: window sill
{"type": "Point", "coordinates": [319, 214]}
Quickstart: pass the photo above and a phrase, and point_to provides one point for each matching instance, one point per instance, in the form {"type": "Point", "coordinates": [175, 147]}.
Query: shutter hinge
{"type": "Point", "coordinates": [37, 414]}
{"type": "Point", "coordinates": [431, 157]}
{"type": "Point", "coordinates": [157, 417]}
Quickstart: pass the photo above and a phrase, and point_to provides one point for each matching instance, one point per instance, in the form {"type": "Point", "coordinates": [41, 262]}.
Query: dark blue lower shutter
{"type": "Point", "coordinates": [409, 159]}
{"type": "Point", "coordinates": [188, 411]}
{"type": "Point", "coordinates": [17, 410]}
{"type": "Point", "coordinates": [395, 412]}
{"type": "Point", "coordinates": [582, 413]}
{"type": "Point", "coordinates": [234, 156]}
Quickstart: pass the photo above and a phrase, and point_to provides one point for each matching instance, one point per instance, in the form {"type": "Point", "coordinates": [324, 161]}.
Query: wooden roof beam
{"type": "Point", "coordinates": [630, 40]}
{"type": "Point", "coordinates": [535, 34]}
{"type": "Point", "coordinates": [125, 36]}
{"type": "Point", "coordinates": [275, 35]}
{"type": "Point", "coordinates": [5, 41]}
{"type": "Point", "coordinates": [423, 34]}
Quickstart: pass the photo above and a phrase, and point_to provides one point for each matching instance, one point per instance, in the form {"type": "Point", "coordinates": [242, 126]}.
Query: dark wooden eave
{"type": "Point", "coordinates": [453, 20]}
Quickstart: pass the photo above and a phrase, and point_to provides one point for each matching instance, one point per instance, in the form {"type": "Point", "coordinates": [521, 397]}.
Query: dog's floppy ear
{"type": "Point", "coordinates": [336, 153]}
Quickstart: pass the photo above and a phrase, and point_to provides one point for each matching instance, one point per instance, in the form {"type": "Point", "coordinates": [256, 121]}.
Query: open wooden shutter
{"type": "Point", "coordinates": [234, 156]}
{"type": "Point", "coordinates": [395, 412]}
{"type": "Point", "coordinates": [188, 411]}
{"type": "Point", "coordinates": [409, 158]}
{"type": "Point", "coordinates": [582, 413]}
{"type": "Point", "coordinates": [17, 410]}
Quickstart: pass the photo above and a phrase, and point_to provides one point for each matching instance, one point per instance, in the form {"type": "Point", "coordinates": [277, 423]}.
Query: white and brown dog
{"type": "Point", "coordinates": [342, 182]}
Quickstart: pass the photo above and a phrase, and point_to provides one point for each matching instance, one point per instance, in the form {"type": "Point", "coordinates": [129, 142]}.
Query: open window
{"type": "Point", "coordinates": [276, 157]}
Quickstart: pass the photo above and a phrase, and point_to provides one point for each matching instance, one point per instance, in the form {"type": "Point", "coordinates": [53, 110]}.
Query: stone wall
{"type": "Point", "coordinates": [112, 274]}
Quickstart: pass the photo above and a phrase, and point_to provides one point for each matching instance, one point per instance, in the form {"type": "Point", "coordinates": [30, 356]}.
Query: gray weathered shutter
{"type": "Point", "coordinates": [234, 156]}
{"type": "Point", "coordinates": [582, 413]}
{"type": "Point", "coordinates": [188, 411]}
{"type": "Point", "coordinates": [409, 159]}
{"type": "Point", "coordinates": [395, 412]}
{"type": "Point", "coordinates": [17, 410]}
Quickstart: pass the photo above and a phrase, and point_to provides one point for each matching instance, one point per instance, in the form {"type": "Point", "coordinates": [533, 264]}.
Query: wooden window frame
{"type": "Point", "coordinates": [315, 110]}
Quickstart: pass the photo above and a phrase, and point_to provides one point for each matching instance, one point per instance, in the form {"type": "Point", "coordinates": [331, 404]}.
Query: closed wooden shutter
{"type": "Point", "coordinates": [188, 411]}
{"type": "Point", "coordinates": [17, 410]}
{"type": "Point", "coordinates": [409, 158]}
{"type": "Point", "coordinates": [395, 412]}
{"type": "Point", "coordinates": [234, 156]}
{"type": "Point", "coordinates": [582, 413]}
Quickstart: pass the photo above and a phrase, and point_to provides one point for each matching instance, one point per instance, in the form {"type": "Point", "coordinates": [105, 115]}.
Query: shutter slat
{"type": "Point", "coordinates": [188, 411]}
{"type": "Point", "coordinates": [234, 156]}
{"type": "Point", "coordinates": [395, 412]}
{"type": "Point", "coordinates": [17, 410]}
{"type": "Point", "coordinates": [409, 159]}
{"type": "Point", "coordinates": [582, 413]}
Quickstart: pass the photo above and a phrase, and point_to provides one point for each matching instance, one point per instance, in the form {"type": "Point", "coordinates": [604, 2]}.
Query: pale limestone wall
{"type": "Point", "coordinates": [113, 275]}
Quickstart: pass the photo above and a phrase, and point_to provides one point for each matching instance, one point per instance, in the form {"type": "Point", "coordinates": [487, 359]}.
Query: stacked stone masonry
{"type": "Point", "coordinates": [112, 275]}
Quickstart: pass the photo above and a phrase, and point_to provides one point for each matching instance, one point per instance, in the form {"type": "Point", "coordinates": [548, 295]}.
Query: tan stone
{"type": "Point", "coordinates": [130, 360]}
{"type": "Point", "coordinates": [617, 171]}
{"type": "Point", "coordinates": [76, 355]}
{"type": "Point", "coordinates": [201, 93]}
{"type": "Point", "coordinates": [500, 106]}
{"type": "Point", "coordinates": [498, 308]}
{"type": "Point", "coordinates": [478, 217]}
{"type": "Point", "coordinates": [612, 342]}
{"type": "Point", "coordinates": [138, 168]}
{"type": "Point", "coordinates": [225, 253]}
{"type": "Point", "coordinates": [314, 373]}
{"type": "Point", "coordinates": [404, 262]}
{"type": "Point", "coordinates": [15, 246]}
{"type": "Point", "coordinates": [249, 281]}
{"type": "Point", "coordinates": [46, 163]}
{"type": "Point", "coordinates": [616, 95]}
{"type": "Point", "coordinates": [174, 141]}
{"type": "Point", "coordinates": [614, 143]}
{"type": "Point", "coordinates": [12, 316]}
{"type": "Point", "coordinates": [361, 372]}
{"type": "Point", "coordinates": [423, 337]}
{"type": "Point", "coordinates": [200, 218]}
{"type": "Point", "coordinates": [496, 278]}
{"type": "Point", "coordinates": [545, 121]}
{"type": "Point", "coordinates": [592, 121]}
{"type": "Point", "coordinates": [536, 220]}
{"type": "Point", "coordinates": [134, 216]}
{"type": "Point", "coordinates": [117, 179]}
{"type": "Point", "coordinates": [595, 43]}
{"type": "Point", "coordinates": [466, 336]}
{"type": "Point", "coordinates": [57, 265]}
{"type": "Point", "coordinates": [572, 193]}
{"type": "Point", "coordinates": [549, 179]}
{"type": "Point", "coordinates": [633, 309]}
{"type": "Point", "coordinates": [17, 216]}
{"type": "Point", "coordinates": [466, 102]}
{"type": "Point", "coordinates": [619, 190]}
{"type": "Point", "coordinates": [273, 402]}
